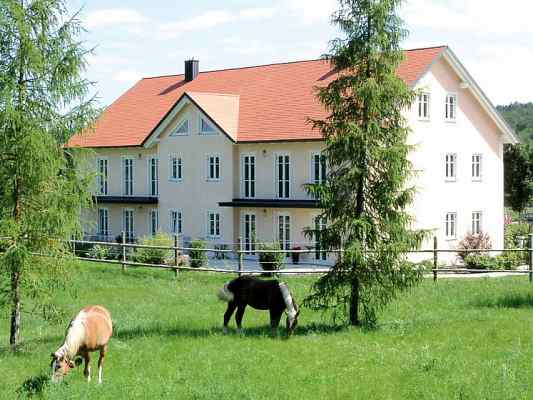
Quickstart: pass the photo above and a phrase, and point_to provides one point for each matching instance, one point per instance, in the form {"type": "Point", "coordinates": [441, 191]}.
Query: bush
{"type": "Point", "coordinates": [270, 261]}
{"type": "Point", "coordinates": [198, 254]}
{"type": "Point", "coordinates": [480, 241]}
{"type": "Point", "coordinates": [155, 256]}
{"type": "Point", "coordinates": [98, 252]}
{"type": "Point", "coordinates": [483, 261]}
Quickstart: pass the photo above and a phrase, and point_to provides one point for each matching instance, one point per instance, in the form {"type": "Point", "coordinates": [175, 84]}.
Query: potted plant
{"type": "Point", "coordinates": [270, 258]}
{"type": "Point", "coordinates": [295, 255]}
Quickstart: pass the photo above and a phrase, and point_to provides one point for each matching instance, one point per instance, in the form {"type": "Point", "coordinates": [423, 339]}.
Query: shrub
{"type": "Point", "coordinates": [480, 241]}
{"type": "Point", "coordinates": [98, 252]}
{"type": "Point", "coordinates": [198, 254]}
{"type": "Point", "coordinates": [482, 261]}
{"type": "Point", "coordinates": [270, 261]}
{"type": "Point", "coordinates": [155, 256]}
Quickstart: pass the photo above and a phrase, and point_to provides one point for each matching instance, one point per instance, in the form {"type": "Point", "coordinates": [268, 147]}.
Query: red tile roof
{"type": "Point", "coordinates": [274, 100]}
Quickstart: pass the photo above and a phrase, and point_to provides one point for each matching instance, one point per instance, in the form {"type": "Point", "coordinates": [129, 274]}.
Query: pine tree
{"type": "Point", "coordinates": [365, 196]}
{"type": "Point", "coordinates": [42, 189]}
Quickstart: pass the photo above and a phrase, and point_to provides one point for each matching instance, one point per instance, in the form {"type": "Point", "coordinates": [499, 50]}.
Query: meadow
{"type": "Point", "coordinates": [456, 339]}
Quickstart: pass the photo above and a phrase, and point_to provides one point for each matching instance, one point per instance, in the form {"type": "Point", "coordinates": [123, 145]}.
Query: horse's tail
{"type": "Point", "coordinates": [225, 294]}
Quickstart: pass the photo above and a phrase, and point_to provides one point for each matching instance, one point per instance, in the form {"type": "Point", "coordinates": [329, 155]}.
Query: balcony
{"type": "Point", "coordinates": [105, 199]}
{"type": "Point", "coordinates": [271, 203]}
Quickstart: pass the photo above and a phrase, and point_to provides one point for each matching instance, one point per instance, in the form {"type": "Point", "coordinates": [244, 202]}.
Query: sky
{"type": "Point", "coordinates": [139, 38]}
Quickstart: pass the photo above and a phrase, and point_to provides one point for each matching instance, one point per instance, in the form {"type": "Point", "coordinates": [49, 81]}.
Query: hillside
{"type": "Point", "coordinates": [520, 117]}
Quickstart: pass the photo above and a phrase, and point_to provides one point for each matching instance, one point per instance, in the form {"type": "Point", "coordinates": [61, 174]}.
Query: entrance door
{"type": "Point", "coordinates": [249, 232]}
{"type": "Point", "coordinates": [284, 231]}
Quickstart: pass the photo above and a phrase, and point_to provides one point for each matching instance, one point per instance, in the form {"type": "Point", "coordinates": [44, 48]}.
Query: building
{"type": "Point", "coordinates": [225, 154]}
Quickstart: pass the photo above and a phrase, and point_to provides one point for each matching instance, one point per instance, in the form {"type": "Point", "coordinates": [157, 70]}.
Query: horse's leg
{"type": "Point", "coordinates": [275, 316]}
{"type": "Point", "coordinates": [227, 315]}
{"type": "Point", "coordinates": [238, 317]}
{"type": "Point", "coordinates": [103, 351]}
{"type": "Point", "coordinates": [87, 370]}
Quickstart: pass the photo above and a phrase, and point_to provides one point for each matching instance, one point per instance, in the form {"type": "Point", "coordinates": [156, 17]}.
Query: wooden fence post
{"type": "Point", "coordinates": [241, 256]}
{"type": "Point", "coordinates": [435, 259]}
{"type": "Point", "coordinates": [530, 257]}
{"type": "Point", "coordinates": [176, 253]}
{"type": "Point", "coordinates": [123, 247]}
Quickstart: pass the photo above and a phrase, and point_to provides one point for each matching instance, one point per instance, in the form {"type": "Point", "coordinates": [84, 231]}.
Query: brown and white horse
{"type": "Point", "coordinates": [89, 331]}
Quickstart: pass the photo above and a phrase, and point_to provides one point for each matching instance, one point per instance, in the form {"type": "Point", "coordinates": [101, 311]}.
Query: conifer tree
{"type": "Point", "coordinates": [43, 102]}
{"type": "Point", "coordinates": [367, 192]}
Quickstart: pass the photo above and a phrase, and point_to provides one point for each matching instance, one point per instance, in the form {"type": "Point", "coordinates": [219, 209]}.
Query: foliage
{"type": "Point", "coordinates": [471, 241]}
{"type": "Point", "coordinates": [198, 255]}
{"type": "Point", "coordinates": [518, 176]}
{"type": "Point", "coordinates": [516, 236]}
{"type": "Point", "coordinates": [99, 252]}
{"type": "Point", "coordinates": [155, 256]}
{"type": "Point", "coordinates": [367, 190]}
{"type": "Point", "coordinates": [520, 117]}
{"type": "Point", "coordinates": [43, 187]}
{"type": "Point", "coordinates": [271, 259]}
{"type": "Point", "coordinates": [483, 261]}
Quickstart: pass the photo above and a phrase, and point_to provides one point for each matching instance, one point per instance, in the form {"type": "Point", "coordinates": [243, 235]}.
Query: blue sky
{"type": "Point", "coordinates": [141, 38]}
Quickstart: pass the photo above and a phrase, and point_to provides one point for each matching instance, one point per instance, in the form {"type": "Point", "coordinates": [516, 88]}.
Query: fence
{"type": "Point", "coordinates": [239, 252]}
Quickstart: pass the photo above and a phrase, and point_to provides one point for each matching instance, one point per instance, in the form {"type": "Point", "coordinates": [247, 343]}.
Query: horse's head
{"type": "Point", "coordinates": [292, 320]}
{"type": "Point", "coordinates": [61, 365]}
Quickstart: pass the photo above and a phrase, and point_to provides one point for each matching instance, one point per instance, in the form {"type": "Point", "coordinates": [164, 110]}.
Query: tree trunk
{"type": "Point", "coordinates": [354, 303]}
{"type": "Point", "coordinates": [15, 310]}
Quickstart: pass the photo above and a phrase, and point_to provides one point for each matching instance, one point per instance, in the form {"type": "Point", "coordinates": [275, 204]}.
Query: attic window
{"type": "Point", "coordinates": [182, 129]}
{"type": "Point", "coordinates": [206, 128]}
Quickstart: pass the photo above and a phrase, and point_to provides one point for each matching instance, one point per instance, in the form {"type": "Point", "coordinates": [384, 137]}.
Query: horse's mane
{"type": "Point", "coordinates": [74, 337]}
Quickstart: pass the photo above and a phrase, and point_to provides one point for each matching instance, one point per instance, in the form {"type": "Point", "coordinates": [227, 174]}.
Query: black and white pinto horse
{"type": "Point", "coordinates": [262, 295]}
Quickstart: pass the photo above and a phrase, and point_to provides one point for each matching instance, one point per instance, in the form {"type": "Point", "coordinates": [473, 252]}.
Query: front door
{"type": "Point", "coordinates": [249, 232]}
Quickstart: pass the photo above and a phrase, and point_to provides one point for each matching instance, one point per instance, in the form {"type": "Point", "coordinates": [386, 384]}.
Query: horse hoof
{"type": "Point", "coordinates": [225, 330]}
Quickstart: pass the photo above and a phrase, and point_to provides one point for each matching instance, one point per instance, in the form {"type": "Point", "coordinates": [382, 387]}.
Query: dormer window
{"type": "Point", "coordinates": [206, 128]}
{"type": "Point", "coordinates": [182, 129]}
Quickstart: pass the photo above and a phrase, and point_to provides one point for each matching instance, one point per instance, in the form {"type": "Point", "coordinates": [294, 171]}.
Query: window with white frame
{"type": "Point", "coordinates": [248, 176]}
{"type": "Point", "coordinates": [128, 164]}
{"type": "Point", "coordinates": [318, 168]}
{"type": "Point", "coordinates": [249, 231]}
{"type": "Point", "coordinates": [103, 223]}
{"type": "Point", "coordinates": [450, 113]}
{"type": "Point", "coordinates": [476, 166]}
{"type": "Point", "coordinates": [154, 221]}
{"type": "Point", "coordinates": [182, 129]}
{"type": "Point", "coordinates": [206, 128]}
{"type": "Point", "coordinates": [213, 224]}
{"type": "Point", "coordinates": [213, 167]}
{"type": "Point", "coordinates": [477, 222]}
{"type": "Point", "coordinates": [423, 106]}
{"type": "Point", "coordinates": [451, 167]}
{"type": "Point", "coordinates": [175, 222]}
{"type": "Point", "coordinates": [153, 176]}
{"type": "Point", "coordinates": [128, 224]}
{"type": "Point", "coordinates": [320, 225]}
{"type": "Point", "coordinates": [283, 165]}
{"type": "Point", "coordinates": [284, 231]}
{"type": "Point", "coordinates": [451, 225]}
{"type": "Point", "coordinates": [103, 176]}
{"type": "Point", "coordinates": [176, 168]}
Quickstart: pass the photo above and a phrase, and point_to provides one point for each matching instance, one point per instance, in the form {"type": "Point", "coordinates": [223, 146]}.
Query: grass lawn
{"type": "Point", "coordinates": [457, 339]}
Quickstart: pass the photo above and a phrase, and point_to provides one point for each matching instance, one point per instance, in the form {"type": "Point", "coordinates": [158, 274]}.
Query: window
{"type": "Point", "coordinates": [320, 225]}
{"type": "Point", "coordinates": [248, 176]}
{"type": "Point", "coordinates": [451, 225]}
{"type": "Point", "coordinates": [423, 106]}
{"type": "Point", "coordinates": [154, 222]}
{"type": "Point", "coordinates": [153, 168]}
{"type": "Point", "coordinates": [476, 222]}
{"type": "Point", "coordinates": [182, 129]}
{"type": "Point", "coordinates": [128, 225]}
{"type": "Point", "coordinates": [451, 108]}
{"type": "Point", "coordinates": [103, 174]}
{"type": "Point", "coordinates": [284, 231]}
{"type": "Point", "coordinates": [176, 168]}
{"type": "Point", "coordinates": [213, 224]}
{"type": "Point", "coordinates": [213, 168]}
{"type": "Point", "coordinates": [318, 168]}
{"type": "Point", "coordinates": [206, 128]}
{"type": "Point", "coordinates": [451, 167]}
{"type": "Point", "coordinates": [283, 175]}
{"type": "Point", "coordinates": [175, 222]}
{"type": "Point", "coordinates": [249, 232]}
{"type": "Point", "coordinates": [476, 167]}
{"type": "Point", "coordinates": [103, 223]}
{"type": "Point", "coordinates": [127, 176]}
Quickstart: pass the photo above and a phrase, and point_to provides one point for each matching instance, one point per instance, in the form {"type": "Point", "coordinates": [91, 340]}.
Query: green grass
{"type": "Point", "coordinates": [457, 339]}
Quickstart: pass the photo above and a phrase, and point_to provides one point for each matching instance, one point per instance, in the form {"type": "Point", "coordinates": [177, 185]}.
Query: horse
{"type": "Point", "coordinates": [89, 331]}
{"type": "Point", "coordinates": [262, 295]}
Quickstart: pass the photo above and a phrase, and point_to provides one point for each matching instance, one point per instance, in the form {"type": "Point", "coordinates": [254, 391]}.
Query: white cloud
{"type": "Point", "coordinates": [127, 76]}
{"type": "Point", "coordinates": [311, 11]}
{"type": "Point", "coordinates": [256, 13]}
{"type": "Point", "coordinates": [113, 16]}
